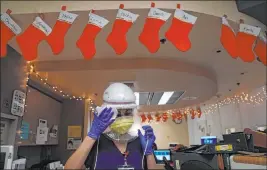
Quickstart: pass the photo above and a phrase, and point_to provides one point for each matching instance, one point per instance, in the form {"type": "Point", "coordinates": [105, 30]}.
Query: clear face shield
{"type": "Point", "coordinates": [125, 127]}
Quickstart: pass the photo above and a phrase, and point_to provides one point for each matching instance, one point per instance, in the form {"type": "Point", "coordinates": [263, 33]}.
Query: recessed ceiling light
{"type": "Point", "coordinates": [165, 97]}
{"type": "Point", "coordinates": [218, 51]}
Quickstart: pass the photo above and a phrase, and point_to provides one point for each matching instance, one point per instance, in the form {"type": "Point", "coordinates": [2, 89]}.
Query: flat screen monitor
{"type": "Point", "coordinates": [160, 153]}
{"type": "Point", "coordinates": [208, 140]}
{"type": "Point", "coordinates": [239, 139]}
{"type": "Point", "coordinates": [6, 156]}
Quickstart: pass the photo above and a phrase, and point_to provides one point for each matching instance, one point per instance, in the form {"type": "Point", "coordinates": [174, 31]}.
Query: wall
{"type": "Point", "coordinates": [72, 114]}
{"type": "Point", "coordinates": [169, 132]}
{"type": "Point", "coordinates": [238, 116]}
{"type": "Point", "coordinates": [12, 77]}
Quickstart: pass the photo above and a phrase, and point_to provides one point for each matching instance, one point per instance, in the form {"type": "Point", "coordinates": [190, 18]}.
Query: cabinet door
{"type": "Point", "coordinates": [3, 131]}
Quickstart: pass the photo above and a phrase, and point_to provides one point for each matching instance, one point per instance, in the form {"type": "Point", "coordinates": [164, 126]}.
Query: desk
{"type": "Point", "coordinates": [248, 162]}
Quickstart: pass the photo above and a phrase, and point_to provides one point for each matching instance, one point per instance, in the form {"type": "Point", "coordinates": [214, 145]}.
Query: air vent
{"type": "Point", "coordinates": [176, 97]}
{"type": "Point", "coordinates": [143, 98]}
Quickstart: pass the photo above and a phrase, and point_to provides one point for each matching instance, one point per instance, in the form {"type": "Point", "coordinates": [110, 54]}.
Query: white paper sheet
{"type": "Point", "coordinates": [41, 136]}
{"type": "Point", "coordinates": [42, 123]}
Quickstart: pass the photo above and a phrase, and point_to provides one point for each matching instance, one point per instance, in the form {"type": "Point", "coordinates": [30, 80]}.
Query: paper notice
{"type": "Point", "coordinates": [41, 135]}
{"type": "Point", "coordinates": [73, 143]}
{"type": "Point", "coordinates": [74, 131]}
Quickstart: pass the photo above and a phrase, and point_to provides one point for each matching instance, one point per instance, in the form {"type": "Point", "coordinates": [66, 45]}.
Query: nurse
{"type": "Point", "coordinates": [116, 139]}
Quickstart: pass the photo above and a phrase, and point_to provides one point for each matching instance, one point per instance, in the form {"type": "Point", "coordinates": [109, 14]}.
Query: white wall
{"type": "Point", "coordinates": [169, 132]}
{"type": "Point", "coordinates": [238, 116]}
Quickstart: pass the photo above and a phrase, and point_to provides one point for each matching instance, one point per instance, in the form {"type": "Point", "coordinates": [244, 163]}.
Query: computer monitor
{"type": "Point", "coordinates": [160, 153]}
{"type": "Point", "coordinates": [239, 139]}
{"type": "Point", "coordinates": [6, 156]}
{"type": "Point", "coordinates": [208, 140]}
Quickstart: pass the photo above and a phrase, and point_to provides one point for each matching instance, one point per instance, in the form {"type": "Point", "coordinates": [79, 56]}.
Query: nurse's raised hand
{"type": "Point", "coordinates": [101, 121]}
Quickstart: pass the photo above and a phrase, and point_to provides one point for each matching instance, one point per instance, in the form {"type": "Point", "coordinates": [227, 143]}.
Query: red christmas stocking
{"type": "Point", "coordinates": [86, 42]}
{"type": "Point", "coordinates": [245, 40]}
{"type": "Point", "coordinates": [9, 29]}
{"type": "Point", "coordinates": [117, 37]}
{"type": "Point", "coordinates": [260, 49]}
{"type": "Point", "coordinates": [178, 33]}
{"type": "Point", "coordinates": [150, 34]}
{"type": "Point", "coordinates": [228, 38]}
{"type": "Point", "coordinates": [29, 40]}
{"type": "Point", "coordinates": [64, 22]}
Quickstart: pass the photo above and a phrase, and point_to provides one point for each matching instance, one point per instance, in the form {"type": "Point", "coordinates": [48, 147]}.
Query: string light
{"type": "Point", "coordinates": [244, 98]}
{"type": "Point", "coordinates": [31, 71]}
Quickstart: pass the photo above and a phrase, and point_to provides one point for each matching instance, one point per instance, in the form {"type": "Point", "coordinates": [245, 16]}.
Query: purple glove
{"type": "Point", "coordinates": [101, 122]}
{"type": "Point", "coordinates": [147, 140]}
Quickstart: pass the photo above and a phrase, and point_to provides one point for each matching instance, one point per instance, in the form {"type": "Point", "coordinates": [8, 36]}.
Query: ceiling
{"type": "Point", "coordinates": [201, 71]}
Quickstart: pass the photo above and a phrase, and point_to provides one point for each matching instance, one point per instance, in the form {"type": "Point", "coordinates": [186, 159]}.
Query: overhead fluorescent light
{"type": "Point", "coordinates": [165, 97]}
{"type": "Point", "coordinates": [136, 98]}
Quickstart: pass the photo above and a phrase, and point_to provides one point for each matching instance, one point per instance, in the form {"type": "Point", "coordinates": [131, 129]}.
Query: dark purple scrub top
{"type": "Point", "coordinates": [109, 157]}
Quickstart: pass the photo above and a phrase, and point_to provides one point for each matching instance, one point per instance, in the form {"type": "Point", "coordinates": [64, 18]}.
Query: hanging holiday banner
{"type": "Point", "coordinates": [199, 112]}
{"type": "Point", "coordinates": [150, 34]}
{"type": "Point", "coordinates": [149, 117]}
{"type": "Point", "coordinates": [158, 117]}
{"type": "Point", "coordinates": [228, 38]}
{"type": "Point", "coordinates": [245, 40]}
{"type": "Point", "coordinates": [164, 117]}
{"type": "Point", "coordinates": [174, 116]}
{"type": "Point", "coordinates": [143, 118]}
{"type": "Point", "coordinates": [29, 40]}
{"type": "Point", "coordinates": [86, 42]}
{"type": "Point", "coordinates": [9, 29]}
{"type": "Point", "coordinates": [178, 33]}
{"type": "Point", "coordinates": [260, 48]}
{"type": "Point", "coordinates": [60, 29]}
{"type": "Point", "coordinates": [192, 113]}
{"type": "Point", "coordinates": [179, 115]}
{"type": "Point", "coordinates": [117, 38]}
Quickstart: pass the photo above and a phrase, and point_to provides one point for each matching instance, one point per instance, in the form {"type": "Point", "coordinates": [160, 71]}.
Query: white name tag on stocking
{"type": "Point", "coordinates": [67, 17]}
{"type": "Point", "coordinates": [183, 16]}
{"type": "Point", "coordinates": [10, 23]}
{"type": "Point", "coordinates": [126, 15]}
{"type": "Point", "coordinates": [158, 14]}
{"type": "Point", "coordinates": [41, 25]}
{"type": "Point", "coordinates": [255, 31]}
{"type": "Point", "coordinates": [97, 20]}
